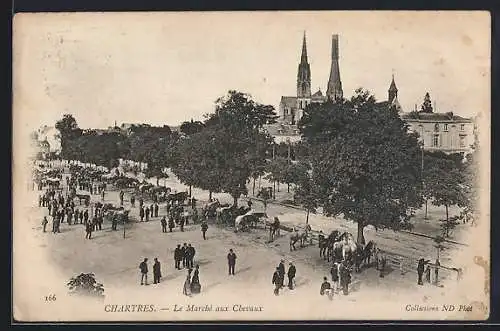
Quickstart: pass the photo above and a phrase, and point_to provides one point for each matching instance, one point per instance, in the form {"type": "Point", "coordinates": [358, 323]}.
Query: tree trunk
{"type": "Point", "coordinates": [278, 186]}
{"type": "Point", "coordinates": [253, 187]}
{"type": "Point", "coordinates": [274, 189]}
{"type": "Point", "coordinates": [235, 201]}
{"type": "Point", "coordinates": [307, 217]}
{"type": "Point", "coordinates": [361, 235]}
{"type": "Point", "coordinates": [157, 181]}
{"type": "Point", "coordinates": [288, 187]}
{"type": "Point", "coordinates": [425, 217]}
{"type": "Point", "coordinates": [190, 190]}
{"type": "Point", "coordinates": [209, 195]}
{"type": "Point", "coordinates": [447, 222]}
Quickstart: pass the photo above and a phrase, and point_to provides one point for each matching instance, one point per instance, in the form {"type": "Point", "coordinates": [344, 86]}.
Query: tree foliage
{"type": "Point", "coordinates": [69, 132]}
{"type": "Point", "coordinates": [85, 284]}
{"type": "Point", "coordinates": [191, 127]}
{"type": "Point", "coordinates": [364, 161]}
{"type": "Point", "coordinates": [427, 104]}
{"type": "Point", "coordinates": [229, 149]}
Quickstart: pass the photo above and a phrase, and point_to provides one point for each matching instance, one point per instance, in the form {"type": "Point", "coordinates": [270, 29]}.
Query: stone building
{"type": "Point", "coordinates": [291, 108]}
{"type": "Point", "coordinates": [444, 132]}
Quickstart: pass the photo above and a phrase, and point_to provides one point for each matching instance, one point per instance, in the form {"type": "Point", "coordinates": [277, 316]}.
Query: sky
{"type": "Point", "coordinates": [165, 68]}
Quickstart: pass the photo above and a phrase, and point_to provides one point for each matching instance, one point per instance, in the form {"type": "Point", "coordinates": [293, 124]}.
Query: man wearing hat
{"type": "Point", "coordinates": [281, 270]}
{"type": "Point", "coordinates": [277, 281]}
{"type": "Point", "coordinates": [291, 275]}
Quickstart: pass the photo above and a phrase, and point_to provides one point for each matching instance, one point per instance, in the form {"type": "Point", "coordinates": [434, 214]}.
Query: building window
{"type": "Point", "coordinates": [462, 127]}
{"type": "Point", "coordinates": [435, 141]}
{"type": "Point", "coordinates": [462, 141]}
{"type": "Point", "coordinates": [436, 127]}
{"type": "Point", "coordinates": [445, 127]}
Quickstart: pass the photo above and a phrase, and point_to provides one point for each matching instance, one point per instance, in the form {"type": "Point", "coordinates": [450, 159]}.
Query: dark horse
{"type": "Point", "coordinates": [326, 244]}
{"type": "Point", "coordinates": [179, 197]}
{"type": "Point", "coordinates": [362, 255]}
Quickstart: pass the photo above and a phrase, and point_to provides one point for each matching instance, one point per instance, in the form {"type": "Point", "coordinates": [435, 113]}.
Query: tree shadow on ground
{"type": "Point", "coordinates": [209, 287]}
{"type": "Point", "coordinates": [238, 271]}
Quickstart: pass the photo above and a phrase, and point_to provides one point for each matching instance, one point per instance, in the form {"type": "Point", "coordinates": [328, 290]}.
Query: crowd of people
{"type": "Point", "coordinates": [62, 207]}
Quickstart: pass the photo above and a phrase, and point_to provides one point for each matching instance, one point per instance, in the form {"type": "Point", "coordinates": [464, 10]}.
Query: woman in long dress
{"type": "Point", "coordinates": [187, 284]}
{"type": "Point", "coordinates": [195, 281]}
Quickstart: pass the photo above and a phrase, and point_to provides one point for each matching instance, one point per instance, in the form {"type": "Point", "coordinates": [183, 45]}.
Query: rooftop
{"type": "Point", "coordinates": [445, 117]}
{"type": "Point", "coordinates": [282, 129]}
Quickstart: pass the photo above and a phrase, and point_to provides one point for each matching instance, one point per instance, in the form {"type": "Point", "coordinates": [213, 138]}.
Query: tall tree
{"type": "Point", "coordinates": [191, 127]}
{"type": "Point", "coordinates": [427, 104]}
{"type": "Point", "coordinates": [364, 161]}
{"type": "Point", "coordinates": [237, 125]}
{"type": "Point", "coordinates": [307, 194]}
{"type": "Point", "coordinates": [69, 132]}
{"type": "Point", "coordinates": [444, 183]}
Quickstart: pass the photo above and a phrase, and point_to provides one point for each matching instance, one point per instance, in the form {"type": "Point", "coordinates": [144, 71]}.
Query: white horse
{"type": "Point", "coordinates": [301, 236]}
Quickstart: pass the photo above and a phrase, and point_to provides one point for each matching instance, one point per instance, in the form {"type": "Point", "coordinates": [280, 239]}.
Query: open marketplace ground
{"type": "Point", "coordinates": [412, 247]}
{"type": "Point", "coordinates": [115, 260]}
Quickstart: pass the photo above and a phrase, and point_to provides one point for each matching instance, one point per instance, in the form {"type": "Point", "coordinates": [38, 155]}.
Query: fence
{"type": "Point", "coordinates": [402, 263]}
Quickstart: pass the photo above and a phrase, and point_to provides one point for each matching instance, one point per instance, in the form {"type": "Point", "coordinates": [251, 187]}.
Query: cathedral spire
{"type": "Point", "coordinates": [304, 73]}
{"type": "Point", "coordinates": [334, 90]}
{"type": "Point", "coordinates": [303, 58]}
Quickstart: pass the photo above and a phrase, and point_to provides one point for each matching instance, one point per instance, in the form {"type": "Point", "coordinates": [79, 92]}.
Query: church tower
{"type": "Point", "coordinates": [334, 90]}
{"type": "Point", "coordinates": [303, 82]}
{"type": "Point", "coordinates": [393, 95]}
{"type": "Point", "coordinates": [393, 91]}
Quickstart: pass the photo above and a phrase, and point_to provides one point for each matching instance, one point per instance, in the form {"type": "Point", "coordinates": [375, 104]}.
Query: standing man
{"type": "Point", "coordinates": [156, 209]}
{"type": "Point", "coordinates": [88, 230]}
{"type": "Point", "coordinates": [281, 269]}
{"type": "Point", "coordinates": [277, 281]}
{"type": "Point", "coordinates": [102, 195]}
{"type": "Point", "coordinates": [436, 272]}
{"type": "Point", "coordinates": [184, 255]}
{"type": "Point", "coordinates": [86, 216]}
{"type": "Point", "coordinates": [163, 224]}
{"type": "Point", "coordinates": [156, 271]}
{"type": "Point", "coordinates": [345, 278]}
{"type": "Point", "coordinates": [181, 223]}
{"type": "Point", "coordinates": [147, 214]}
{"type": "Point", "coordinates": [192, 252]}
{"type": "Point", "coordinates": [291, 275]}
{"type": "Point", "coordinates": [141, 202]}
{"type": "Point", "coordinates": [44, 223]}
{"type": "Point", "coordinates": [171, 223]}
{"type": "Point", "coordinates": [132, 201]}
{"type": "Point", "coordinates": [334, 272]}
{"type": "Point", "coordinates": [420, 271]}
{"type": "Point", "coordinates": [121, 198]}
{"type": "Point", "coordinates": [177, 257]}
{"type": "Point", "coordinates": [204, 228]}
{"type": "Point", "coordinates": [141, 213]}
{"type": "Point", "coordinates": [144, 271]}
{"type": "Point", "coordinates": [231, 261]}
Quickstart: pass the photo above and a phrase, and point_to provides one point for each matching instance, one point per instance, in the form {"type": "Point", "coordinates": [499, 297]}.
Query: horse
{"type": "Point", "coordinates": [347, 245]}
{"type": "Point", "coordinates": [243, 222]}
{"type": "Point", "coordinates": [274, 229]}
{"type": "Point", "coordinates": [328, 244]}
{"type": "Point", "coordinates": [301, 236]}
